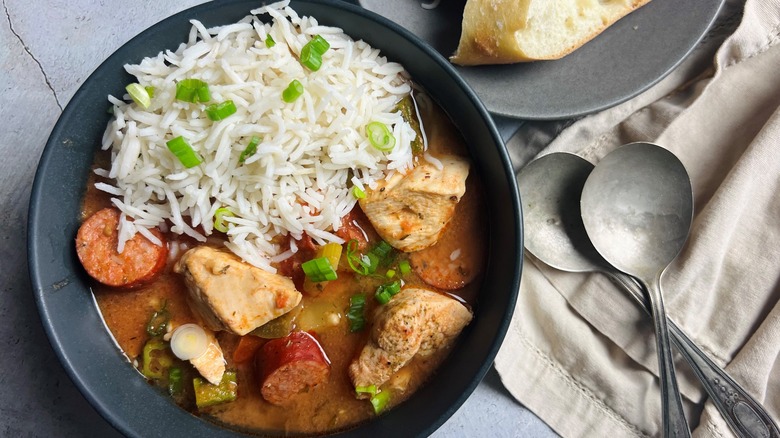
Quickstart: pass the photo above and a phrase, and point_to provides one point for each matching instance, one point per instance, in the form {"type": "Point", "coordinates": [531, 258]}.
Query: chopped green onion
{"type": "Point", "coordinates": [380, 137]}
{"type": "Point", "coordinates": [358, 193]}
{"type": "Point", "coordinates": [139, 95]}
{"type": "Point", "coordinates": [220, 111]}
{"type": "Point", "coordinates": [379, 401]}
{"type": "Point", "coordinates": [366, 264]}
{"type": "Point", "coordinates": [369, 389]}
{"type": "Point", "coordinates": [189, 341]}
{"type": "Point", "coordinates": [382, 249]}
{"type": "Point", "coordinates": [184, 152]}
{"type": "Point", "coordinates": [310, 58]}
{"type": "Point", "coordinates": [204, 95]}
{"type": "Point", "coordinates": [175, 381]}
{"type": "Point", "coordinates": [370, 262]}
{"type": "Point", "coordinates": [149, 89]}
{"type": "Point", "coordinates": [292, 92]}
{"type": "Point", "coordinates": [386, 291]}
{"type": "Point", "coordinates": [269, 41]}
{"type": "Point", "coordinates": [192, 90]}
{"type": "Point", "coordinates": [355, 316]}
{"type": "Point", "coordinates": [158, 323]}
{"type": "Point", "coordinates": [383, 297]}
{"type": "Point", "coordinates": [319, 269]}
{"type": "Point", "coordinates": [390, 273]}
{"type": "Point", "coordinates": [207, 394]}
{"type": "Point", "coordinates": [219, 219]}
{"type": "Point", "coordinates": [404, 267]}
{"type": "Point", "coordinates": [319, 44]}
{"type": "Point", "coordinates": [250, 150]}
{"type": "Point", "coordinates": [352, 258]}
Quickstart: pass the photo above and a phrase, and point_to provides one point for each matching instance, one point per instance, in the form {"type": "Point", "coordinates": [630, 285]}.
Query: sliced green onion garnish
{"type": "Point", "coordinates": [219, 111]}
{"type": "Point", "coordinates": [383, 297]}
{"type": "Point", "coordinates": [189, 341]}
{"type": "Point", "coordinates": [319, 269]}
{"type": "Point", "coordinates": [250, 150]}
{"type": "Point", "coordinates": [390, 273]}
{"type": "Point", "coordinates": [382, 249]}
{"type": "Point", "coordinates": [370, 262]}
{"type": "Point", "coordinates": [380, 137]}
{"type": "Point", "coordinates": [367, 264]}
{"type": "Point", "coordinates": [355, 316]}
{"type": "Point", "coordinates": [192, 90]}
{"type": "Point", "coordinates": [319, 44]}
{"type": "Point", "coordinates": [386, 291]}
{"type": "Point", "coordinates": [369, 389]}
{"type": "Point", "coordinates": [219, 219]}
{"type": "Point", "coordinates": [204, 95]}
{"type": "Point", "coordinates": [379, 401]}
{"type": "Point", "coordinates": [353, 257]}
{"type": "Point", "coordinates": [404, 267]}
{"type": "Point", "coordinates": [149, 89]}
{"type": "Point", "coordinates": [310, 58]}
{"type": "Point", "coordinates": [139, 95]}
{"type": "Point", "coordinates": [269, 41]}
{"type": "Point", "coordinates": [358, 193]}
{"type": "Point", "coordinates": [293, 91]}
{"type": "Point", "coordinates": [184, 152]}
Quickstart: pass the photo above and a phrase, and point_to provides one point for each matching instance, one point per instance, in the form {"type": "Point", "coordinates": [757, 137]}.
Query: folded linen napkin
{"type": "Point", "coordinates": [579, 353]}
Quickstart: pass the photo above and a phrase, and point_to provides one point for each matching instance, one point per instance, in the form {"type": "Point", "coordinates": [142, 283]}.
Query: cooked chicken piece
{"type": "Point", "coordinates": [211, 364]}
{"type": "Point", "coordinates": [231, 295]}
{"type": "Point", "coordinates": [410, 211]}
{"type": "Point", "coordinates": [414, 322]}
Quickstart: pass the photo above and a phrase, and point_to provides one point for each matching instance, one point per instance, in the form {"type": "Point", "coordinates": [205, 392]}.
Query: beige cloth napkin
{"type": "Point", "coordinates": [579, 353]}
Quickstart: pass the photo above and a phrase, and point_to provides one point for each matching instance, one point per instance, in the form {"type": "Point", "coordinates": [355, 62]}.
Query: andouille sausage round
{"type": "Point", "coordinates": [96, 245]}
{"type": "Point", "coordinates": [290, 365]}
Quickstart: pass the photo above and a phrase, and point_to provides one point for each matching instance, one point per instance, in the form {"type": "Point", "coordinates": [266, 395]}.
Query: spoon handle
{"type": "Point", "coordinates": [674, 422]}
{"type": "Point", "coordinates": [746, 417]}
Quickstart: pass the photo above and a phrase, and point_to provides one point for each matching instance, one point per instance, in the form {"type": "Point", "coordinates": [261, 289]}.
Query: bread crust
{"type": "Point", "coordinates": [511, 31]}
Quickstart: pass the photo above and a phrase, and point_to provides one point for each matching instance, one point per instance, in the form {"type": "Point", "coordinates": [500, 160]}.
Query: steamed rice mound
{"type": "Point", "coordinates": [312, 151]}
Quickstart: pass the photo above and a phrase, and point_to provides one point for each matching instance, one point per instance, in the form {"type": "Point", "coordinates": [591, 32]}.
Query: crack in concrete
{"type": "Point", "coordinates": [29, 52]}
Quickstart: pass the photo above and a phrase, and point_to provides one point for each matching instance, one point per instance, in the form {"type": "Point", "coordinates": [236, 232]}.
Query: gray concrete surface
{"type": "Point", "coordinates": [47, 49]}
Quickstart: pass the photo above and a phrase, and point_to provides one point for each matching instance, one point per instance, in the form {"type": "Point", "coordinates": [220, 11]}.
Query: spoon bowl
{"type": "Point", "coordinates": [550, 189]}
{"type": "Point", "coordinates": [637, 207]}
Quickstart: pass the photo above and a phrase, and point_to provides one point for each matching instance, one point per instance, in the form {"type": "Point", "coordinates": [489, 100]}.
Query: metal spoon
{"type": "Point", "coordinates": [550, 189]}
{"type": "Point", "coordinates": [637, 207]}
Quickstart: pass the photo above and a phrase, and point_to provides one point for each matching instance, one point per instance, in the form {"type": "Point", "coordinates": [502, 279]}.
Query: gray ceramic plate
{"type": "Point", "coordinates": [623, 61]}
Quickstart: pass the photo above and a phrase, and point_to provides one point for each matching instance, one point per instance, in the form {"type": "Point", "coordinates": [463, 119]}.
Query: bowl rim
{"type": "Point", "coordinates": [42, 287]}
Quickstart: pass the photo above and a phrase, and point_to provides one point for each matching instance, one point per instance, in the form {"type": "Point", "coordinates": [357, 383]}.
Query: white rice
{"type": "Point", "coordinates": [312, 151]}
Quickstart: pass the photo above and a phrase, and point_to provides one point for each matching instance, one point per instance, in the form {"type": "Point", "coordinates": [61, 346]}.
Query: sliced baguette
{"type": "Point", "coordinates": [509, 31]}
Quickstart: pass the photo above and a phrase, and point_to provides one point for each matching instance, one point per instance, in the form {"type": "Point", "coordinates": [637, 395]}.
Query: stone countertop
{"type": "Point", "coordinates": [49, 47]}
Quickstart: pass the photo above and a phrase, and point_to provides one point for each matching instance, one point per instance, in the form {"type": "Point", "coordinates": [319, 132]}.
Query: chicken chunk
{"type": "Point", "coordinates": [231, 295]}
{"type": "Point", "coordinates": [415, 322]}
{"type": "Point", "coordinates": [211, 364]}
{"type": "Point", "coordinates": [410, 211]}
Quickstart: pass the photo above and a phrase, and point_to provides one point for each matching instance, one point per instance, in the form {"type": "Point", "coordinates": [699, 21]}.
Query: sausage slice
{"type": "Point", "coordinates": [291, 365]}
{"type": "Point", "coordinates": [139, 263]}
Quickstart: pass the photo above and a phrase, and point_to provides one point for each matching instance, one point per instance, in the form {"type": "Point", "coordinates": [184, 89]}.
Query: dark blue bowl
{"type": "Point", "coordinates": [67, 306]}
